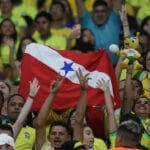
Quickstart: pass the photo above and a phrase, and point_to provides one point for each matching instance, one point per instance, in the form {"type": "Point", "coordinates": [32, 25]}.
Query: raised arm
{"type": "Point", "coordinates": [109, 104]}
{"type": "Point", "coordinates": [80, 7]}
{"type": "Point", "coordinates": [81, 107]}
{"type": "Point", "coordinates": [41, 120]}
{"type": "Point", "coordinates": [118, 67]}
{"type": "Point", "coordinates": [128, 100]}
{"type": "Point", "coordinates": [117, 4]}
{"type": "Point", "coordinates": [34, 87]}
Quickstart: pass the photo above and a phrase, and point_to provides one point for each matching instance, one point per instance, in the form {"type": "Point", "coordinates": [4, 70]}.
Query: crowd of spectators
{"type": "Point", "coordinates": [81, 26]}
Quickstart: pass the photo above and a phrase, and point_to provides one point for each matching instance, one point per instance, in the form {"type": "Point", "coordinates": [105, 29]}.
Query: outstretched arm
{"type": "Point", "coordinates": [80, 7]}
{"type": "Point", "coordinates": [40, 123]}
{"type": "Point", "coordinates": [109, 104]}
{"type": "Point", "coordinates": [118, 67]}
{"type": "Point", "coordinates": [81, 107]}
{"type": "Point", "coordinates": [128, 100]}
{"type": "Point", "coordinates": [34, 87]}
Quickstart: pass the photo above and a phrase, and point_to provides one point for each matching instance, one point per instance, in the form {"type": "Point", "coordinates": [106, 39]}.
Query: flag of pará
{"type": "Point", "coordinates": [47, 64]}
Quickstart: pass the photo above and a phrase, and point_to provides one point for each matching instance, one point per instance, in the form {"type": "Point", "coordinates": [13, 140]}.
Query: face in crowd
{"type": "Point", "coordinates": [58, 136]}
{"type": "Point", "coordinates": [43, 25]}
{"type": "Point", "coordinates": [15, 104]}
{"type": "Point", "coordinates": [142, 107]}
{"type": "Point", "coordinates": [88, 137]}
{"type": "Point", "coordinates": [100, 13]}
{"type": "Point", "coordinates": [57, 11]}
{"type": "Point", "coordinates": [7, 28]}
{"type": "Point", "coordinates": [5, 6]}
{"type": "Point", "coordinates": [137, 89]}
{"type": "Point", "coordinates": [5, 89]}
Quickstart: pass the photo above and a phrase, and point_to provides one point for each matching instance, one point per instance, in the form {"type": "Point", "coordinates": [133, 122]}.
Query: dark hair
{"type": "Point", "coordinates": [40, 3]}
{"type": "Point", "coordinates": [69, 121]}
{"type": "Point", "coordinates": [140, 84]}
{"type": "Point", "coordinates": [1, 97]}
{"type": "Point", "coordinates": [6, 84]}
{"type": "Point", "coordinates": [43, 14]}
{"type": "Point", "coordinates": [128, 134]}
{"type": "Point", "coordinates": [28, 20]}
{"type": "Point", "coordinates": [11, 96]}
{"type": "Point", "coordinates": [6, 127]}
{"type": "Point", "coordinates": [58, 3]}
{"type": "Point", "coordinates": [99, 3]}
{"type": "Point", "coordinates": [19, 52]}
{"type": "Point", "coordinates": [144, 63]}
{"type": "Point", "coordinates": [144, 22]}
{"type": "Point", "coordinates": [60, 123]}
{"type": "Point", "coordinates": [14, 35]}
{"type": "Point", "coordinates": [131, 125]}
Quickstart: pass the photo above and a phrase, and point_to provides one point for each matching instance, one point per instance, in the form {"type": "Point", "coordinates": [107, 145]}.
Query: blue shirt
{"type": "Point", "coordinates": [106, 34]}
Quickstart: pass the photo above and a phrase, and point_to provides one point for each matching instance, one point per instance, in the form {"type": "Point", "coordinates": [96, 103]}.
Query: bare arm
{"type": "Point", "coordinates": [34, 87]}
{"type": "Point", "coordinates": [41, 120]}
{"type": "Point", "coordinates": [80, 7]}
{"type": "Point", "coordinates": [118, 68]}
{"type": "Point", "coordinates": [128, 101]}
{"type": "Point", "coordinates": [117, 4]}
{"type": "Point", "coordinates": [109, 104]}
{"type": "Point", "coordinates": [81, 107]}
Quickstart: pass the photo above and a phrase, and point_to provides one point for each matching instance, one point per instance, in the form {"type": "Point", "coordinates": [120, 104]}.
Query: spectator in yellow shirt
{"type": "Point", "coordinates": [43, 34]}
{"type": "Point", "coordinates": [8, 39]}
{"type": "Point", "coordinates": [57, 10]}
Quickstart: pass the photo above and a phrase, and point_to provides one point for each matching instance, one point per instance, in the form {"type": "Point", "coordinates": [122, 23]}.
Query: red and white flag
{"type": "Point", "coordinates": [46, 64]}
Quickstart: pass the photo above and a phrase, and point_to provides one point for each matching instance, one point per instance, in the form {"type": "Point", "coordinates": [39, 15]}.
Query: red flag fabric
{"type": "Point", "coordinates": [46, 65]}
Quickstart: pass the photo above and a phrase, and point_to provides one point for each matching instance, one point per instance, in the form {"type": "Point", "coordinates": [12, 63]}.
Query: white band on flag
{"type": "Point", "coordinates": [55, 61]}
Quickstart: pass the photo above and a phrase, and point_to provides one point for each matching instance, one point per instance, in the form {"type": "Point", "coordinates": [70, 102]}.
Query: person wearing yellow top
{"type": "Point", "coordinates": [8, 38]}
{"type": "Point", "coordinates": [58, 132]}
{"type": "Point", "coordinates": [57, 11]}
{"type": "Point", "coordinates": [17, 112]}
{"type": "Point", "coordinates": [84, 133]}
{"type": "Point", "coordinates": [128, 136]}
{"type": "Point", "coordinates": [141, 110]}
{"type": "Point", "coordinates": [88, 4]}
{"type": "Point", "coordinates": [144, 76]}
{"type": "Point", "coordinates": [143, 7]}
{"type": "Point", "coordinates": [43, 34]}
{"type": "Point", "coordinates": [25, 139]}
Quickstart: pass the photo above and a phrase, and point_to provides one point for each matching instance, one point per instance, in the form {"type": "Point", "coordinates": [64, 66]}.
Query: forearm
{"type": "Point", "coordinates": [80, 113]}
{"type": "Point", "coordinates": [81, 107]}
{"type": "Point", "coordinates": [117, 5]}
{"type": "Point", "coordinates": [110, 111]}
{"type": "Point", "coordinates": [22, 116]}
{"type": "Point", "coordinates": [127, 101]}
{"type": "Point", "coordinates": [45, 110]}
{"type": "Point", "coordinates": [118, 67]}
{"type": "Point", "coordinates": [80, 7]}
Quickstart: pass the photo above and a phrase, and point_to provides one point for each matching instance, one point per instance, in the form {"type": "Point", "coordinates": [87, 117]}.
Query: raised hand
{"type": "Point", "coordinates": [34, 87]}
{"type": "Point", "coordinates": [104, 85]}
{"type": "Point", "coordinates": [83, 79]}
{"type": "Point", "coordinates": [55, 86]}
